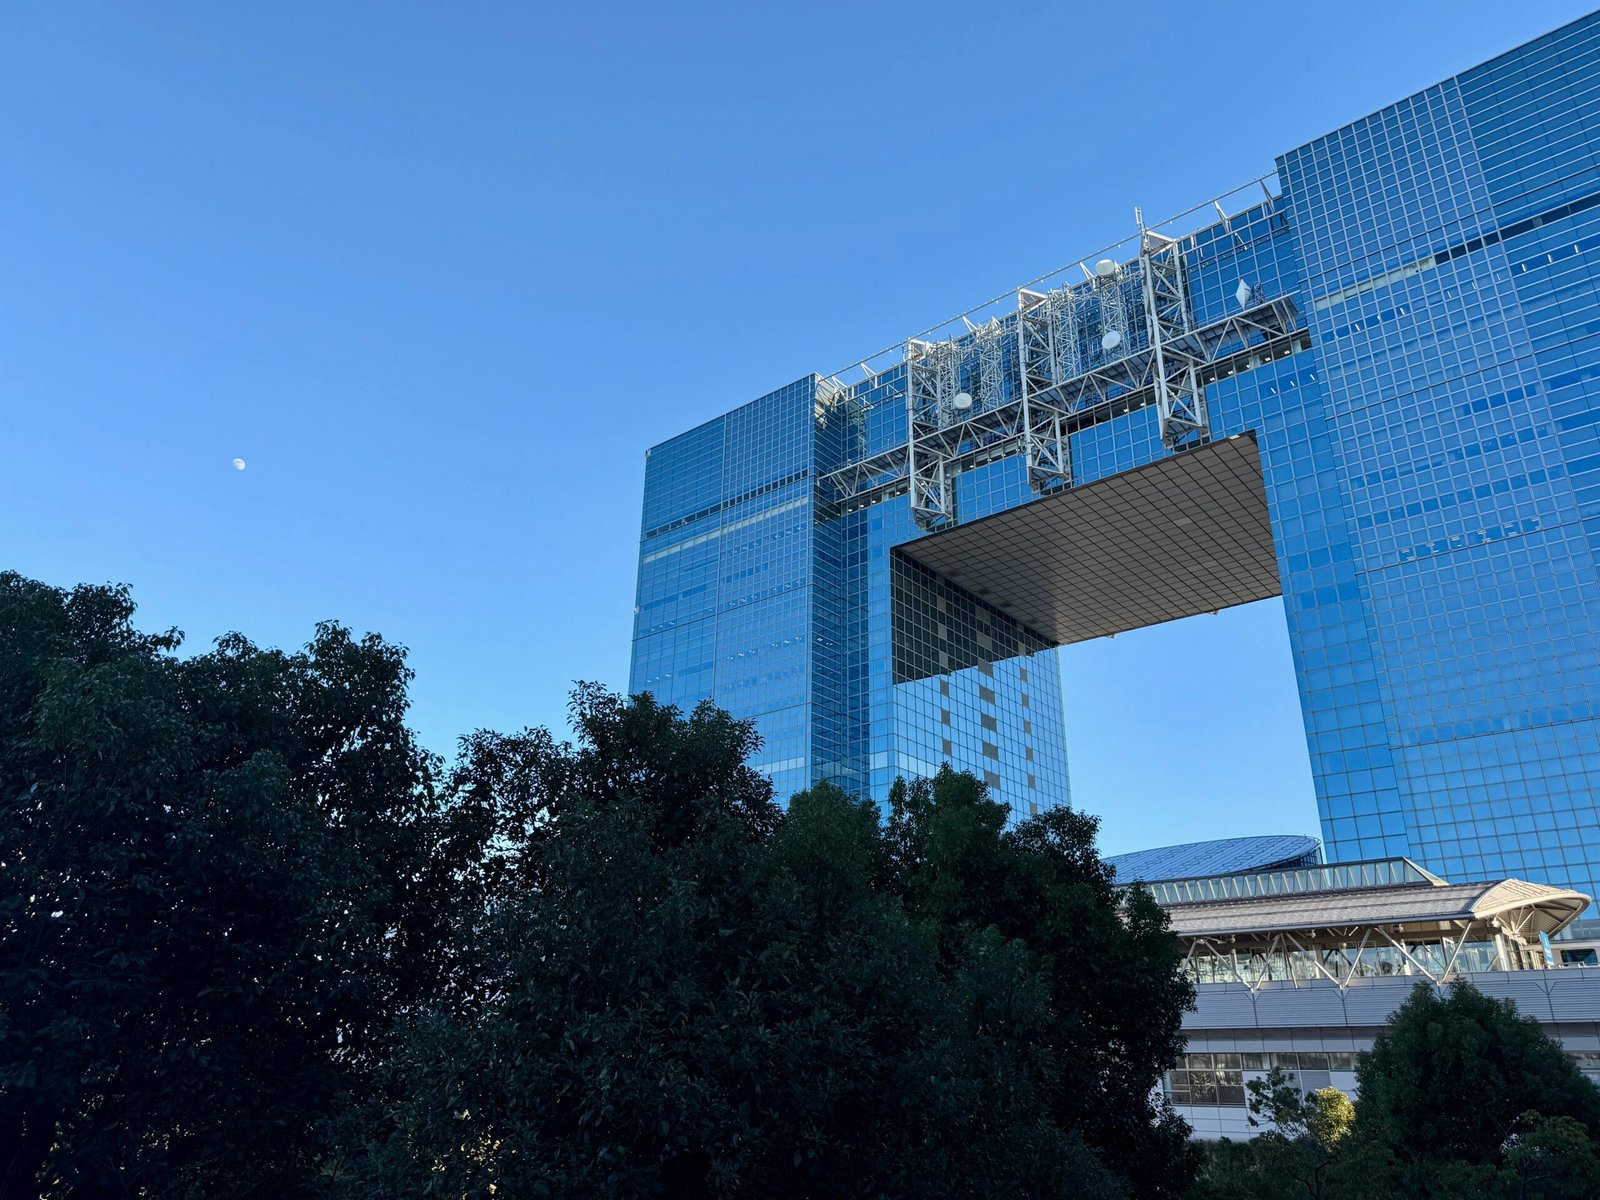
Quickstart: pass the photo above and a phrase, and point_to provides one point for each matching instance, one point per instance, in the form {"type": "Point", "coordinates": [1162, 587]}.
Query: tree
{"type": "Point", "coordinates": [1295, 1155]}
{"type": "Point", "coordinates": [1329, 1117]}
{"type": "Point", "coordinates": [681, 991]}
{"type": "Point", "coordinates": [1324, 1115]}
{"type": "Point", "coordinates": [220, 877]}
{"type": "Point", "coordinates": [1108, 970]}
{"type": "Point", "coordinates": [1551, 1158]}
{"type": "Point", "coordinates": [1287, 1158]}
{"type": "Point", "coordinates": [1451, 1083]}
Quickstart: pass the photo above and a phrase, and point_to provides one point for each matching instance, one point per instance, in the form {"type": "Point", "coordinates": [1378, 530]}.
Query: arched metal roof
{"type": "Point", "coordinates": [1533, 908]}
{"type": "Point", "coordinates": [1224, 856]}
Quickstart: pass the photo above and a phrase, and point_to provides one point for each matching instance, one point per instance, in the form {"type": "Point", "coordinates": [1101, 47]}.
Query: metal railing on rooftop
{"type": "Point", "coordinates": [1383, 872]}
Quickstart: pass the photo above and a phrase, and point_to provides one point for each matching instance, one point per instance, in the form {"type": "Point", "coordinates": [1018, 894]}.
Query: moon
{"type": "Point", "coordinates": [238, 464]}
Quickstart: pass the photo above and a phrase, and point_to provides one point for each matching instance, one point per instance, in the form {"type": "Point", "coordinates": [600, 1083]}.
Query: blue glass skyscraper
{"type": "Point", "coordinates": [1373, 388]}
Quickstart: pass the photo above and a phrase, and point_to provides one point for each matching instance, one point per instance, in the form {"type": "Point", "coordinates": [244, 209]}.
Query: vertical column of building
{"type": "Point", "coordinates": [1475, 579]}
{"type": "Point", "coordinates": [838, 615]}
{"type": "Point", "coordinates": [763, 669]}
{"type": "Point", "coordinates": [674, 623]}
{"type": "Point", "coordinates": [725, 573]}
{"type": "Point", "coordinates": [1534, 118]}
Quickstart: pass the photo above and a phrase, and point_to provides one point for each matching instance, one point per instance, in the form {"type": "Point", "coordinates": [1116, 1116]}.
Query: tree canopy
{"type": "Point", "coordinates": [1457, 1083]}
{"type": "Point", "coordinates": [220, 879]}
{"type": "Point", "coordinates": [681, 991]}
{"type": "Point", "coordinates": [255, 941]}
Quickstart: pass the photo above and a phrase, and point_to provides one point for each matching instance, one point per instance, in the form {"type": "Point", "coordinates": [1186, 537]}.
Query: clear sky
{"type": "Point", "coordinates": [441, 272]}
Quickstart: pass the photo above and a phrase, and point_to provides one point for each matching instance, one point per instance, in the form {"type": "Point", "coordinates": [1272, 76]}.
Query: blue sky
{"type": "Point", "coordinates": [441, 273]}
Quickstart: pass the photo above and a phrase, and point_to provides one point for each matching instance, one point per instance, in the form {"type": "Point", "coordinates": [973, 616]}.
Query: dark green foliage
{"type": "Point", "coordinates": [1451, 1081]}
{"type": "Point", "coordinates": [220, 878]}
{"type": "Point", "coordinates": [680, 992]}
{"type": "Point", "coordinates": [1554, 1158]}
{"type": "Point", "coordinates": [1105, 969]}
{"type": "Point", "coordinates": [255, 942]}
{"type": "Point", "coordinates": [1491, 1063]}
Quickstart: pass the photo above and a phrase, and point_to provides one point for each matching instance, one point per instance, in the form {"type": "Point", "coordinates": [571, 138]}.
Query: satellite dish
{"type": "Point", "coordinates": [1244, 293]}
{"type": "Point", "coordinates": [1105, 268]}
{"type": "Point", "coordinates": [962, 401]}
{"type": "Point", "coordinates": [1111, 341]}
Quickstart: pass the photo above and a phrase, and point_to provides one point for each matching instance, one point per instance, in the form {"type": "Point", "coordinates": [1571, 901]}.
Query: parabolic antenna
{"type": "Point", "coordinates": [962, 401]}
{"type": "Point", "coordinates": [1105, 268]}
{"type": "Point", "coordinates": [1111, 340]}
{"type": "Point", "coordinates": [1244, 293]}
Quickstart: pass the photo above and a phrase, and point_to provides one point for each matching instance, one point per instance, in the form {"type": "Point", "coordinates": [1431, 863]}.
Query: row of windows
{"type": "Point", "coordinates": [1223, 1085]}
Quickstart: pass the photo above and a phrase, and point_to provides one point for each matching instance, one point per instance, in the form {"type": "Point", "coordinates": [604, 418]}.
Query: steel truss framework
{"type": "Point", "coordinates": [1335, 953]}
{"type": "Point", "coordinates": [973, 368]}
{"type": "Point", "coordinates": [1032, 381]}
{"type": "Point", "coordinates": [1176, 362]}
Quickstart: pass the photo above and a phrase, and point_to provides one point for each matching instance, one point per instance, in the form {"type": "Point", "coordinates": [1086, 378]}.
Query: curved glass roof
{"type": "Point", "coordinates": [1225, 856]}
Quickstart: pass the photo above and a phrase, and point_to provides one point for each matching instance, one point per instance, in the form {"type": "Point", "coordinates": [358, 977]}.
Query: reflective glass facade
{"type": "Point", "coordinates": [1430, 458]}
{"type": "Point", "coordinates": [752, 594]}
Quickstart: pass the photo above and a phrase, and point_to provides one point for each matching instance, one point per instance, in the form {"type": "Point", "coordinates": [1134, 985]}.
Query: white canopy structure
{"type": "Point", "coordinates": [1423, 927]}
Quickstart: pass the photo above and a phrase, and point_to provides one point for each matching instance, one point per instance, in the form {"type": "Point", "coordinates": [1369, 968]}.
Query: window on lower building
{"type": "Point", "coordinates": [1219, 1078]}
{"type": "Point", "coordinates": [1221, 1086]}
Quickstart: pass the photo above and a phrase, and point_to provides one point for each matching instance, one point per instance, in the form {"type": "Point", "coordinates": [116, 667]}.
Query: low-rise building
{"type": "Point", "coordinates": [1302, 967]}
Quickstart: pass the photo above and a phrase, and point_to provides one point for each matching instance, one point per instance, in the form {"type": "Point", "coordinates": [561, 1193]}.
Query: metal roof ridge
{"type": "Point", "coordinates": [1410, 885]}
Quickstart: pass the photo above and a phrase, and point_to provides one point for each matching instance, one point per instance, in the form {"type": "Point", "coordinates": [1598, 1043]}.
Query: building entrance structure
{"type": "Point", "coordinates": [1368, 383]}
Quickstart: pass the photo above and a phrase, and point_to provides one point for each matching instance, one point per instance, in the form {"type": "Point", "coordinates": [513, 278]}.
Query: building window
{"type": "Point", "coordinates": [990, 778]}
{"type": "Point", "coordinates": [989, 722]}
{"type": "Point", "coordinates": [944, 747]}
{"type": "Point", "coordinates": [986, 694]}
{"type": "Point", "coordinates": [1216, 1079]}
{"type": "Point", "coordinates": [990, 750]}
